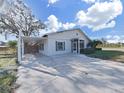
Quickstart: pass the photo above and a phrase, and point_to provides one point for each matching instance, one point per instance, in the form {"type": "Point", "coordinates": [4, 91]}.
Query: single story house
{"type": "Point", "coordinates": [68, 41]}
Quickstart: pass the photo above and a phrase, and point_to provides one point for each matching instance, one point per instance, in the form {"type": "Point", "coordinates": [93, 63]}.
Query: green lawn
{"type": "Point", "coordinates": [7, 77]}
{"type": "Point", "coordinates": [6, 82]}
{"type": "Point", "coordinates": [7, 61]}
{"type": "Point", "coordinates": [108, 55]}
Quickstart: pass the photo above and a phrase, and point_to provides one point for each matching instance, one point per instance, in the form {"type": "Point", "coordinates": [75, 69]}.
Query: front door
{"type": "Point", "coordinates": [74, 46]}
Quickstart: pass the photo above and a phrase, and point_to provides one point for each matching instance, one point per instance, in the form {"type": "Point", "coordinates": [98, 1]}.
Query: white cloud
{"type": "Point", "coordinates": [108, 36]}
{"type": "Point", "coordinates": [101, 15]}
{"type": "Point", "coordinates": [115, 38]}
{"type": "Point", "coordinates": [89, 1]}
{"type": "Point", "coordinates": [68, 25]}
{"type": "Point", "coordinates": [52, 2]}
{"type": "Point", "coordinates": [54, 24]}
{"type": "Point", "coordinates": [107, 25]}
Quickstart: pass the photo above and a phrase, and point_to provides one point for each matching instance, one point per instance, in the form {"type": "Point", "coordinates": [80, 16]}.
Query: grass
{"type": "Point", "coordinates": [7, 77]}
{"type": "Point", "coordinates": [6, 82]}
{"type": "Point", "coordinates": [108, 55]}
{"type": "Point", "coordinates": [4, 62]}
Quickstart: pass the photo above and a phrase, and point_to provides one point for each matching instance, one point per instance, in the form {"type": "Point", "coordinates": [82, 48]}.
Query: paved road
{"type": "Point", "coordinates": [69, 74]}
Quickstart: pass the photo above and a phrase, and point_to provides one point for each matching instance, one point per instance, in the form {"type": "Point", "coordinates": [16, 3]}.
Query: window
{"type": "Point", "coordinates": [81, 44]}
{"type": "Point", "coordinates": [60, 46]}
{"type": "Point", "coordinates": [41, 46]}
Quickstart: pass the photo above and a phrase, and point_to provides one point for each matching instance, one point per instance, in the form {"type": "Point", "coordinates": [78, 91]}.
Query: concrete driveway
{"type": "Point", "coordinates": [69, 74]}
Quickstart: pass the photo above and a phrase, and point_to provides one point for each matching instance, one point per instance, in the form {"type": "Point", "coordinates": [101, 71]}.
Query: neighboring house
{"type": "Point", "coordinates": [68, 41]}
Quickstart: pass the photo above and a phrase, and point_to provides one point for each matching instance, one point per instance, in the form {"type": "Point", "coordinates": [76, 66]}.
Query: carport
{"type": "Point", "coordinates": [32, 45]}
{"type": "Point", "coordinates": [29, 45]}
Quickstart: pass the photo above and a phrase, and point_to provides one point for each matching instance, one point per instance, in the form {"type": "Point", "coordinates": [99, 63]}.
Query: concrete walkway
{"type": "Point", "coordinates": [69, 74]}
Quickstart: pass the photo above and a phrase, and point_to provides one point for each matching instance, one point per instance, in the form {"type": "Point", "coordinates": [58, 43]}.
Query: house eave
{"type": "Point", "coordinates": [33, 39]}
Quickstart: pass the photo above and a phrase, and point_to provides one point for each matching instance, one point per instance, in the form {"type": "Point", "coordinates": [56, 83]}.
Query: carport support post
{"type": "Point", "coordinates": [19, 48]}
{"type": "Point", "coordinates": [78, 46]}
{"type": "Point", "coordinates": [22, 47]}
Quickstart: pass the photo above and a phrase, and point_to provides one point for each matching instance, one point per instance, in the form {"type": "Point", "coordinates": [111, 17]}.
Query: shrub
{"type": "Point", "coordinates": [12, 44]}
{"type": "Point", "coordinates": [94, 43]}
{"type": "Point", "coordinates": [87, 51]}
{"type": "Point", "coordinates": [98, 49]}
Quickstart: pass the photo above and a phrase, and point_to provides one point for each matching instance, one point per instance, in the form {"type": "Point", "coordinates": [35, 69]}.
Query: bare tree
{"type": "Point", "coordinates": [19, 17]}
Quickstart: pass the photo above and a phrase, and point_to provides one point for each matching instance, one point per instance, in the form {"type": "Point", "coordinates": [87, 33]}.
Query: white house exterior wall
{"type": "Point", "coordinates": [52, 46]}
{"type": "Point", "coordinates": [45, 51]}
{"type": "Point", "coordinates": [64, 37]}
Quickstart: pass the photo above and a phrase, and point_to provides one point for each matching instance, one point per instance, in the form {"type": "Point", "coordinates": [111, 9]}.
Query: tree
{"type": "Point", "coordinates": [94, 43]}
{"type": "Point", "coordinates": [103, 40]}
{"type": "Point", "coordinates": [12, 44]}
{"type": "Point", "coordinates": [19, 17]}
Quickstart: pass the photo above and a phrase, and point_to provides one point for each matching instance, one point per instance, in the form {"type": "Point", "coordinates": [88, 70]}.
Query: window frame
{"type": "Point", "coordinates": [60, 46]}
{"type": "Point", "coordinates": [82, 42]}
{"type": "Point", "coordinates": [41, 47]}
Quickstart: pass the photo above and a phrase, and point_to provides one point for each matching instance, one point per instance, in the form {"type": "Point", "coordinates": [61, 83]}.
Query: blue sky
{"type": "Point", "coordinates": [66, 10]}
{"type": "Point", "coordinates": [97, 18]}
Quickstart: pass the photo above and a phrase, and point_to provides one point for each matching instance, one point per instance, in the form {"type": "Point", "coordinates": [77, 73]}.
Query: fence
{"type": "Point", "coordinates": [8, 69]}
{"type": "Point", "coordinates": [7, 52]}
